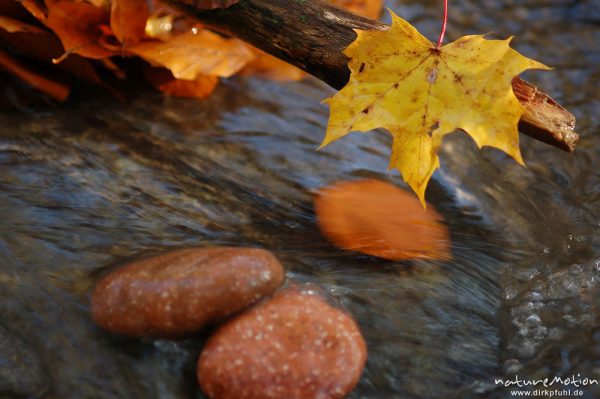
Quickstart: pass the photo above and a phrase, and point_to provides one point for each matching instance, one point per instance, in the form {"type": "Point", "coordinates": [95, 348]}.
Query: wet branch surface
{"type": "Point", "coordinates": [312, 36]}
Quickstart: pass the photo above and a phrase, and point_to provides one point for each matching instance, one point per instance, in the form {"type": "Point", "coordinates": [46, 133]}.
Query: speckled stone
{"type": "Point", "coordinates": [181, 292]}
{"type": "Point", "coordinates": [292, 346]}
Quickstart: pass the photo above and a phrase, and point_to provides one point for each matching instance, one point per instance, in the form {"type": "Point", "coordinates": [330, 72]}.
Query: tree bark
{"type": "Point", "coordinates": [312, 35]}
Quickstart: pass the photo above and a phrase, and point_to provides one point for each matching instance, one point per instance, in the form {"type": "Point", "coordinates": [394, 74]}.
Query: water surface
{"type": "Point", "coordinates": [92, 183]}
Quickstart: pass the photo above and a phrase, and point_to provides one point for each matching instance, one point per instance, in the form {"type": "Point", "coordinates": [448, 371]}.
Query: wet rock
{"type": "Point", "coordinates": [543, 310]}
{"type": "Point", "coordinates": [21, 373]}
{"type": "Point", "coordinates": [293, 345]}
{"type": "Point", "coordinates": [180, 292]}
{"type": "Point", "coordinates": [379, 219]}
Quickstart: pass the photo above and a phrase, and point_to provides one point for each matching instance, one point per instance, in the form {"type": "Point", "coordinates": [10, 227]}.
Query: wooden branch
{"type": "Point", "coordinates": [311, 35]}
{"type": "Point", "coordinates": [545, 119]}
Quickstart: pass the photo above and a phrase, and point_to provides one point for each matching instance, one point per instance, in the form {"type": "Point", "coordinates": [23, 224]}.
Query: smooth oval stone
{"type": "Point", "coordinates": [291, 346]}
{"type": "Point", "coordinates": [181, 292]}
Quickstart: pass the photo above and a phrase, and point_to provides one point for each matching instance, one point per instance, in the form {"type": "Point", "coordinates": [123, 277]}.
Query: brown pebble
{"type": "Point", "coordinates": [180, 292]}
{"type": "Point", "coordinates": [292, 346]}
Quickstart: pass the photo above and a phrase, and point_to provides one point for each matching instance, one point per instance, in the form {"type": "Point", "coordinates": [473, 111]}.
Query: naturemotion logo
{"type": "Point", "coordinates": [560, 386]}
{"type": "Point", "coordinates": [547, 382]}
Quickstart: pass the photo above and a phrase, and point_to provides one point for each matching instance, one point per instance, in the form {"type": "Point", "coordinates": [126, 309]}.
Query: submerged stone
{"type": "Point", "coordinates": [181, 292]}
{"type": "Point", "coordinates": [292, 346]}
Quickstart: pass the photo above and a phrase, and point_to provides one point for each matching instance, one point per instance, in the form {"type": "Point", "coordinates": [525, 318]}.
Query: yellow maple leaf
{"type": "Point", "coordinates": [400, 81]}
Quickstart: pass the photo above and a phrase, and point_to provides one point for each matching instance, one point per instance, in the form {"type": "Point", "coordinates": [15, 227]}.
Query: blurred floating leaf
{"type": "Point", "coordinates": [379, 219]}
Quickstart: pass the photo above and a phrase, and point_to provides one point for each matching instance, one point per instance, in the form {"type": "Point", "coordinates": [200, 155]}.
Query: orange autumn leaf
{"type": "Point", "coordinates": [14, 9]}
{"type": "Point", "coordinates": [210, 4]}
{"type": "Point", "coordinates": [366, 8]}
{"type": "Point", "coordinates": [128, 19]}
{"type": "Point", "coordinates": [105, 4]}
{"type": "Point", "coordinates": [202, 87]}
{"type": "Point", "coordinates": [159, 26]}
{"type": "Point", "coordinates": [164, 24]}
{"type": "Point", "coordinates": [379, 219]}
{"type": "Point", "coordinates": [53, 87]}
{"type": "Point", "coordinates": [163, 80]}
{"type": "Point", "coordinates": [44, 46]}
{"type": "Point", "coordinates": [195, 53]}
{"type": "Point", "coordinates": [78, 25]}
{"type": "Point", "coordinates": [36, 8]}
{"type": "Point", "coordinates": [12, 25]}
{"type": "Point", "coordinates": [195, 58]}
{"type": "Point", "coordinates": [267, 66]}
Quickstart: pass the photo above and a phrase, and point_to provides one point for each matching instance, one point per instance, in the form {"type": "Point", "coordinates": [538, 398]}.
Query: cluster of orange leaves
{"type": "Point", "coordinates": [47, 42]}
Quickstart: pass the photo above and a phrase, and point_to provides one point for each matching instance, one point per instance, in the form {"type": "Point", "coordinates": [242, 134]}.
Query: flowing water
{"type": "Point", "coordinates": [94, 182]}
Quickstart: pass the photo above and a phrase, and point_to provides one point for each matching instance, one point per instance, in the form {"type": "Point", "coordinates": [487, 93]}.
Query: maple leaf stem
{"type": "Point", "coordinates": [444, 23]}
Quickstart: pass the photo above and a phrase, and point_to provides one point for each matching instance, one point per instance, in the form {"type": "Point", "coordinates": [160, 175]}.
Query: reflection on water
{"type": "Point", "coordinates": [90, 184]}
